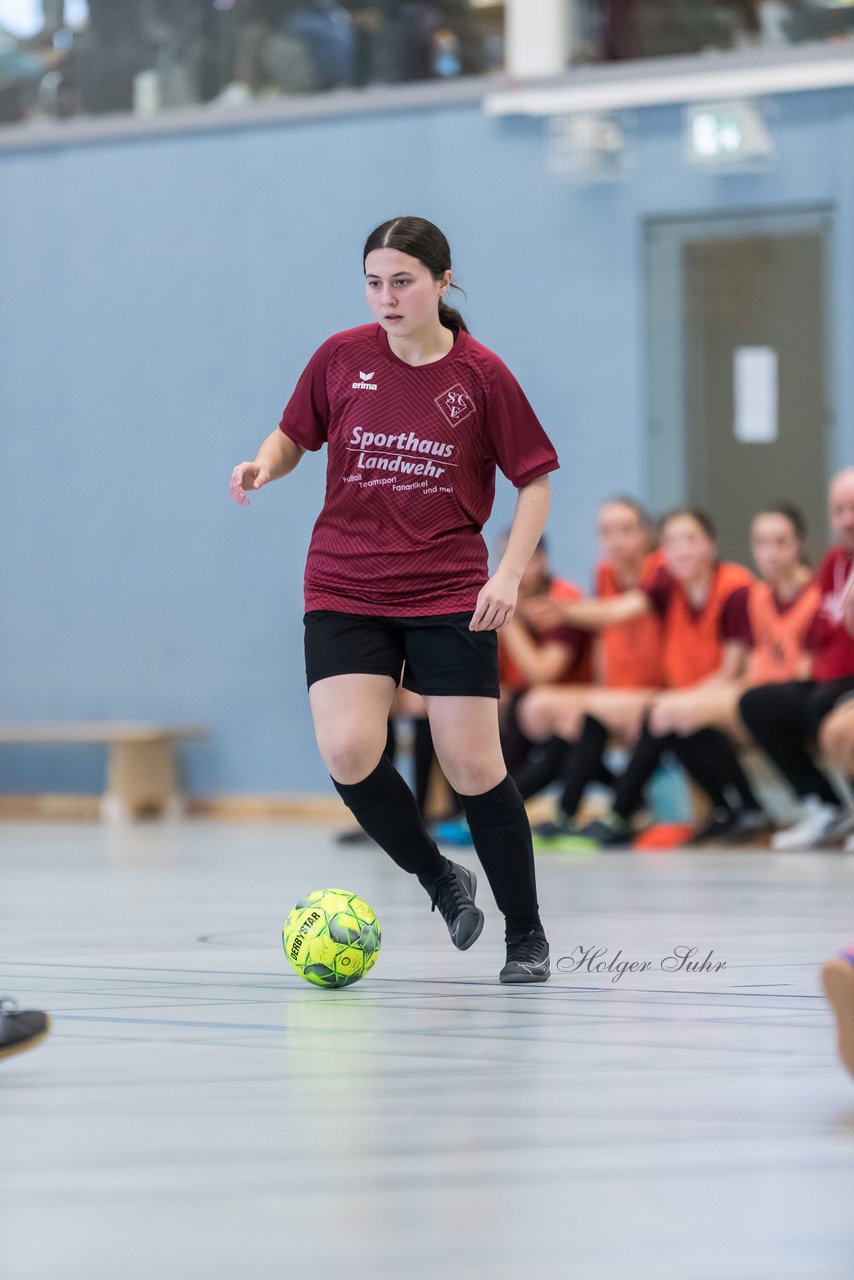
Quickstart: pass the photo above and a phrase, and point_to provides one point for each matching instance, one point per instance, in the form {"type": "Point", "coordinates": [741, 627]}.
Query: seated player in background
{"type": "Point", "coordinates": [836, 743]}
{"type": "Point", "coordinates": [785, 720]}
{"type": "Point", "coordinates": [533, 654]}
{"type": "Point", "coordinates": [627, 669]}
{"type": "Point", "coordinates": [702, 605]}
{"type": "Point", "coordinates": [781, 609]}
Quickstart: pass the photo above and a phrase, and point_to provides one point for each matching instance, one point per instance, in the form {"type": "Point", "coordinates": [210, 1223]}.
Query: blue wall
{"type": "Point", "coordinates": [158, 297]}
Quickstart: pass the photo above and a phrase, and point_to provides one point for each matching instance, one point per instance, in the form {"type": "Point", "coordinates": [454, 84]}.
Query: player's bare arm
{"type": "Point", "coordinates": [496, 602]}
{"type": "Point", "coordinates": [277, 457]}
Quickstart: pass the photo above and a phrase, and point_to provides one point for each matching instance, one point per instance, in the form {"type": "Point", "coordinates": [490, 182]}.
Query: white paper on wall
{"type": "Point", "coordinates": [755, 374]}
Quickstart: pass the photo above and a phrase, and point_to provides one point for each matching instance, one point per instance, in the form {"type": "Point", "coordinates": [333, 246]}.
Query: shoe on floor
{"type": "Point", "coordinates": [561, 835]}
{"type": "Point", "coordinates": [20, 1029]}
{"type": "Point", "coordinates": [453, 893]}
{"type": "Point", "coordinates": [527, 957]}
{"type": "Point", "coordinates": [749, 824]}
{"type": "Point", "coordinates": [815, 820]}
{"type": "Point", "coordinates": [608, 832]}
{"type": "Point", "coordinates": [720, 823]}
{"type": "Point", "coordinates": [555, 828]}
{"type": "Point", "coordinates": [837, 978]}
{"type": "Point", "coordinates": [839, 831]}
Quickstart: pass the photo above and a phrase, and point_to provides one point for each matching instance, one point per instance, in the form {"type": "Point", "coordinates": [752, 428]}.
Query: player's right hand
{"type": "Point", "coordinates": [247, 475]}
{"type": "Point", "coordinates": [543, 613]}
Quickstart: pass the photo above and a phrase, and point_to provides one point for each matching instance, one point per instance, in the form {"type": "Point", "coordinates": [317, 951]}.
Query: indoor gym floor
{"type": "Point", "coordinates": [200, 1112]}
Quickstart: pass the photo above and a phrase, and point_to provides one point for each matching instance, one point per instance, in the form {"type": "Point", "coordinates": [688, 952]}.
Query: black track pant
{"type": "Point", "coordinates": [784, 720]}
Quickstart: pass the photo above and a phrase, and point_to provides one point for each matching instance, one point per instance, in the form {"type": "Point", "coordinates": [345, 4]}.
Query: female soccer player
{"type": "Point", "coordinates": [705, 642]}
{"type": "Point", "coordinates": [416, 415]}
{"type": "Point", "coordinates": [785, 719]}
{"type": "Point", "coordinates": [628, 666]}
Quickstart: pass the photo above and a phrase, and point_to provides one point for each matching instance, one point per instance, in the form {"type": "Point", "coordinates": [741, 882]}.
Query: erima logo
{"type": "Point", "coordinates": [365, 384]}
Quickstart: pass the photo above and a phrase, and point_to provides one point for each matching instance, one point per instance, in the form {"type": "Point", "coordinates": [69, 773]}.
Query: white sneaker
{"type": "Point", "coordinates": [816, 819]}
{"type": "Point", "coordinates": [840, 830]}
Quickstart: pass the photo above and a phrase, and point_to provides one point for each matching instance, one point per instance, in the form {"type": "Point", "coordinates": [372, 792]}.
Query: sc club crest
{"type": "Point", "coordinates": [456, 404]}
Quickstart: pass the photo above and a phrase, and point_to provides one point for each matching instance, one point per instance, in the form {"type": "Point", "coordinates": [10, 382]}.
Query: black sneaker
{"type": "Point", "coordinates": [555, 828]}
{"type": "Point", "coordinates": [453, 893]}
{"type": "Point", "coordinates": [608, 832]}
{"type": "Point", "coordinates": [719, 825]}
{"type": "Point", "coordinates": [20, 1029]}
{"type": "Point", "coordinates": [749, 825]}
{"type": "Point", "coordinates": [527, 957]}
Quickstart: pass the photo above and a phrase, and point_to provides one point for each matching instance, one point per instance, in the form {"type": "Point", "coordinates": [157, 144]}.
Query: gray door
{"type": "Point", "coordinates": [740, 302]}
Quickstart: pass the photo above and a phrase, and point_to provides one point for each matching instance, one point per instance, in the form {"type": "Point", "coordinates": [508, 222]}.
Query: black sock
{"type": "Point", "coordinates": [699, 759]}
{"type": "Point", "coordinates": [584, 765]}
{"type": "Point", "coordinates": [384, 806]}
{"type": "Point", "coordinates": [543, 764]}
{"type": "Point", "coordinates": [423, 757]}
{"type": "Point", "coordinates": [709, 757]}
{"type": "Point", "coordinates": [502, 838]}
{"type": "Point", "coordinates": [643, 764]}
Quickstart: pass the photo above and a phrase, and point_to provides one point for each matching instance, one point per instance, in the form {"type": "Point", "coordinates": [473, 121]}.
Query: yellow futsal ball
{"type": "Point", "coordinates": [331, 938]}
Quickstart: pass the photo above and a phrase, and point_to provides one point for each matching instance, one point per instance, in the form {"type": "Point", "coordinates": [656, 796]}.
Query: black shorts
{"type": "Point", "coordinates": [437, 655]}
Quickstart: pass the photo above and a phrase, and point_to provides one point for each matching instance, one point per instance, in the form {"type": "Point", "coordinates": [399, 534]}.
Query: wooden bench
{"type": "Point", "coordinates": [142, 778]}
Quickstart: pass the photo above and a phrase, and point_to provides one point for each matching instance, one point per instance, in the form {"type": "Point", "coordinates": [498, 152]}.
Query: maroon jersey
{"type": "Point", "coordinates": [410, 476]}
{"type": "Point", "coordinates": [828, 639]}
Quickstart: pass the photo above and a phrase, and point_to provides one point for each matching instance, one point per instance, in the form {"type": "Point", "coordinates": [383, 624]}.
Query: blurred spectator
{"type": "Point", "coordinates": [403, 49]}
{"type": "Point", "coordinates": [289, 47]}
{"type": "Point", "coordinates": [108, 55]}
{"type": "Point", "coordinates": [786, 719]}
{"type": "Point", "coordinates": [325, 31]}
{"type": "Point", "coordinates": [662, 28]}
{"type": "Point", "coordinates": [20, 73]}
{"type": "Point", "coordinates": [234, 50]}
{"type": "Point", "coordinates": [819, 19]}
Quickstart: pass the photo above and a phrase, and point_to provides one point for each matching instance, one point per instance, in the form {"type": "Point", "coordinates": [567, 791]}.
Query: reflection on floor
{"type": "Point", "coordinates": [199, 1112]}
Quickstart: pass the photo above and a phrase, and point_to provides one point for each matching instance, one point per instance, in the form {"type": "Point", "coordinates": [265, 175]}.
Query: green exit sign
{"type": "Point", "coordinates": [726, 135]}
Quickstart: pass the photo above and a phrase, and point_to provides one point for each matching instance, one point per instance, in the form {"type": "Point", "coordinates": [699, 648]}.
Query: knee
{"type": "Point", "coordinates": [474, 777]}
{"type": "Point", "coordinates": [349, 758]}
{"type": "Point", "coordinates": [830, 740]}
{"type": "Point", "coordinates": [757, 705]}
{"type": "Point", "coordinates": [534, 715]}
{"type": "Point", "coordinates": [660, 720]}
{"type": "Point", "coordinates": [836, 741]}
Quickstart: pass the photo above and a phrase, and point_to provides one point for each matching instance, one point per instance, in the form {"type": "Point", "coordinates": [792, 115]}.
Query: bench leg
{"type": "Point", "coordinates": [141, 780]}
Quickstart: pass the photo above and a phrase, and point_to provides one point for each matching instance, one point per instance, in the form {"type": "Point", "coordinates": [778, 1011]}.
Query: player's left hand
{"type": "Point", "coordinates": [495, 606]}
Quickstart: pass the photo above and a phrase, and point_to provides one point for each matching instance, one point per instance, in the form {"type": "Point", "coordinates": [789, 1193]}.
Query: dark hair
{"type": "Point", "coordinates": [796, 519]}
{"type": "Point", "coordinates": [701, 517]}
{"type": "Point", "coordinates": [422, 240]}
{"type": "Point", "coordinates": [633, 504]}
{"type": "Point", "coordinates": [792, 513]}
